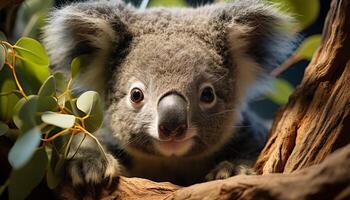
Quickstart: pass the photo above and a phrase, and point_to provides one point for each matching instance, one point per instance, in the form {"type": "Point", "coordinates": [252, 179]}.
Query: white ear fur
{"type": "Point", "coordinates": [257, 43]}
{"type": "Point", "coordinates": [79, 29]}
{"type": "Point", "coordinates": [247, 68]}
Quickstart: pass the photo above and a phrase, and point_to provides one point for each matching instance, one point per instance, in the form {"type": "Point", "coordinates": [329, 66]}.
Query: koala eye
{"type": "Point", "coordinates": [207, 95]}
{"type": "Point", "coordinates": [136, 95]}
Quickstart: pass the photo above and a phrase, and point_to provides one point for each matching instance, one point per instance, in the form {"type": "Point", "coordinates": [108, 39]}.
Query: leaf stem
{"type": "Point", "coordinates": [12, 66]}
{"type": "Point", "coordinates": [288, 63]}
{"type": "Point", "coordinates": [79, 145]}
{"type": "Point", "coordinates": [56, 135]}
{"type": "Point", "coordinates": [93, 137]}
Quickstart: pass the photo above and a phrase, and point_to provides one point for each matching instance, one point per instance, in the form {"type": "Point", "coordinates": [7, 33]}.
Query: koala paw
{"type": "Point", "coordinates": [226, 169]}
{"type": "Point", "coordinates": [91, 168]}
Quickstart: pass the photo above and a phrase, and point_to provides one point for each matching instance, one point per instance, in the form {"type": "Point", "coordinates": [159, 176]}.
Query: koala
{"type": "Point", "coordinates": [175, 84]}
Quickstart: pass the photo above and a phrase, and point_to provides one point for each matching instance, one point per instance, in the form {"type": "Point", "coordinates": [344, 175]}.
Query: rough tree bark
{"type": "Point", "coordinates": [314, 123]}
{"type": "Point", "coordinates": [316, 120]}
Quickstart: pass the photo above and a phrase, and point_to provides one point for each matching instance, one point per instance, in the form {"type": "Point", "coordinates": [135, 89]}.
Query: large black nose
{"type": "Point", "coordinates": [172, 116]}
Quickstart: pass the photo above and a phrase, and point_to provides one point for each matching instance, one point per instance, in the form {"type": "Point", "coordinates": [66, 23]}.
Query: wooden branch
{"type": "Point", "coordinates": [329, 180]}
{"type": "Point", "coordinates": [316, 120]}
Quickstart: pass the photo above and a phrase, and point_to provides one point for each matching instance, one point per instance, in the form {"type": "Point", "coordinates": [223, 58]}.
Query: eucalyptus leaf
{"type": "Point", "coordinates": [25, 113]}
{"type": "Point", "coordinates": [7, 102]}
{"type": "Point", "coordinates": [62, 101]}
{"type": "Point", "coordinates": [34, 57]}
{"type": "Point", "coordinates": [61, 82]}
{"type": "Point", "coordinates": [57, 119]}
{"type": "Point", "coordinates": [49, 87]}
{"type": "Point", "coordinates": [87, 101]}
{"type": "Point", "coordinates": [95, 119]}
{"type": "Point", "coordinates": [46, 103]}
{"type": "Point", "coordinates": [305, 12]}
{"type": "Point", "coordinates": [16, 118]}
{"type": "Point", "coordinates": [72, 105]}
{"type": "Point", "coordinates": [31, 17]}
{"type": "Point", "coordinates": [281, 91]}
{"type": "Point", "coordinates": [309, 46]}
{"type": "Point", "coordinates": [2, 57]}
{"type": "Point", "coordinates": [3, 188]}
{"type": "Point", "coordinates": [32, 51]}
{"type": "Point", "coordinates": [24, 148]}
{"type": "Point", "coordinates": [25, 179]}
{"type": "Point", "coordinates": [52, 178]}
{"type": "Point", "coordinates": [90, 103]}
{"type": "Point", "coordinates": [3, 36]}
{"type": "Point", "coordinates": [76, 64]}
{"type": "Point", "coordinates": [3, 128]}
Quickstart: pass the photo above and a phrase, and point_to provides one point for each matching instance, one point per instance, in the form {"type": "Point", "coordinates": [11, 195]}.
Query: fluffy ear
{"type": "Point", "coordinates": [92, 28]}
{"type": "Point", "coordinates": [257, 40]}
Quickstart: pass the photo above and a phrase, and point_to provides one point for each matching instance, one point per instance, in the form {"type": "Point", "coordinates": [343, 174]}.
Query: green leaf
{"type": "Point", "coordinates": [305, 12]}
{"type": "Point", "coordinates": [31, 17]}
{"type": "Point", "coordinates": [53, 177]}
{"type": "Point", "coordinates": [87, 101]}
{"type": "Point", "coordinates": [75, 66]}
{"type": "Point", "coordinates": [61, 82]}
{"type": "Point", "coordinates": [90, 103]}
{"type": "Point", "coordinates": [49, 87]}
{"type": "Point", "coordinates": [282, 89]}
{"type": "Point", "coordinates": [7, 102]}
{"type": "Point", "coordinates": [25, 179]}
{"type": "Point", "coordinates": [77, 63]}
{"type": "Point", "coordinates": [25, 113]}
{"type": "Point", "coordinates": [308, 47]}
{"type": "Point", "coordinates": [167, 3]}
{"type": "Point", "coordinates": [34, 57]}
{"type": "Point", "coordinates": [32, 51]}
{"type": "Point", "coordinates": [72, 105]}
{"type": "Point", "coordinates": [24, 148]}
{"type": "Point", "coordinates": [3, 128]}
{"type": "Point", "coordinates": [3, 187]}
{"type": "Point", "coordinates": [46, 103]}
{"type": "Point", "coordinates": [3, 36]}
{"type": "Point", "coordinates": [57, 119]}
{"type": "Point", "coordinates": [2, 57]}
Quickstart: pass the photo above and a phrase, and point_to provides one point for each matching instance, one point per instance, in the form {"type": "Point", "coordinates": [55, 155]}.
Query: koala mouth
{"type": "Point", "coordinates": [174, 147]}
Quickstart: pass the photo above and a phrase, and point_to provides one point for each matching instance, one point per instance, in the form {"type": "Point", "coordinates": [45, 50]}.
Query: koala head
{"type": "Point", "coordinates": [174, 80]}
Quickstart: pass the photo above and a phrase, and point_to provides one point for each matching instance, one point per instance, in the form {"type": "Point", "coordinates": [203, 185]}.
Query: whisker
{"type": "Point", "coordinates": [222, 112]}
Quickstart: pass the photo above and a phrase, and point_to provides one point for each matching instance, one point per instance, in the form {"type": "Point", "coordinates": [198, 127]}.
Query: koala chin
{"type": "Point", "coordinates": [175, 84]}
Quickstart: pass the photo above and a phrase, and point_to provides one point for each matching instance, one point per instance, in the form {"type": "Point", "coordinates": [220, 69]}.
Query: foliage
{"type": "Point", "coordinates": [31, 17]}
{"type": "Point", "coordinates": [305, 12]}
{"type": "Point", "coordinates": [308, 47]}
{"type": "Point", "coordinates": [44, 111]}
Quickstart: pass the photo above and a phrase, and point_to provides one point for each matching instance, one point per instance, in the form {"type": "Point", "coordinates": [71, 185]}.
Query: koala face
{"type": "Point", "coordinates": [175, 80]}
{"type": "Point", "coordinates": [175, 99]}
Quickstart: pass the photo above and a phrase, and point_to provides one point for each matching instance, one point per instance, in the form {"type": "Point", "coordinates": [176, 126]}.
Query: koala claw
{"type": "Point", "coordinates": [226, 169]}
{"type": "Point", "coordinates": [92, 169]}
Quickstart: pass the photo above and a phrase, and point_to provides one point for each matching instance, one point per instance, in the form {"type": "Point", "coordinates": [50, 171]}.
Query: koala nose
{"type": "Point", "coordinates": [172, 116]}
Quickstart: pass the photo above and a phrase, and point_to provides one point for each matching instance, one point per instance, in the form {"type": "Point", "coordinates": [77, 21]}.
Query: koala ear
{"type": "Point", "coordinates": [257, 40]}
{"type": "Point", "coordinates": [260, 29]}
{"type": "Point", "coordinates": [85, 28]}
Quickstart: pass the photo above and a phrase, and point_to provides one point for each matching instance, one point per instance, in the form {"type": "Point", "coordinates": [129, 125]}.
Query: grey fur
{"type": "Point", "coordinates": [230, 46]}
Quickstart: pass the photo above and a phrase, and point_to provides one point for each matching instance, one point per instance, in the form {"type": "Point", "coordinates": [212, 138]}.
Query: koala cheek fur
{"type": "Point", "coordinates": [229, 47]}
